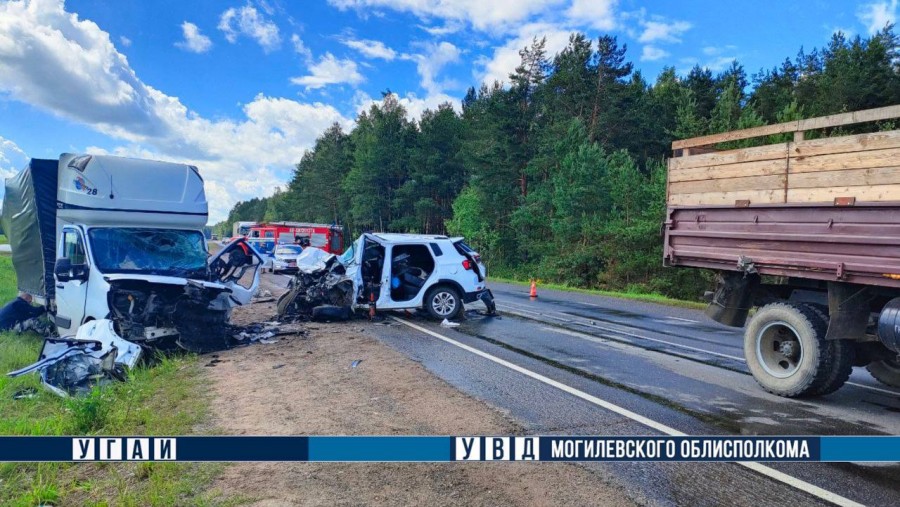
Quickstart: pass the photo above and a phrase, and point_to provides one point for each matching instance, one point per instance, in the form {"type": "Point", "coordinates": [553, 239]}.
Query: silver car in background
{"type": "Point", "coordinates": [285, 258]}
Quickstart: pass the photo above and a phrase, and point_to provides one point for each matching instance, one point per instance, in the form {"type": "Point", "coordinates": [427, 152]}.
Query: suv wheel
{"type": "Point", "coordinates": [442, 302]}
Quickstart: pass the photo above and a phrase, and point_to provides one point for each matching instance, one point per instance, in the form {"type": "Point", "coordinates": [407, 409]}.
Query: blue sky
{"type": "Point", "coordinates": [242, 87]}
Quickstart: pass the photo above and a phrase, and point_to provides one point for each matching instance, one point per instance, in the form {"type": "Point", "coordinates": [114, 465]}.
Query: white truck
{"type": "Point", "coordinates": [101, 237]}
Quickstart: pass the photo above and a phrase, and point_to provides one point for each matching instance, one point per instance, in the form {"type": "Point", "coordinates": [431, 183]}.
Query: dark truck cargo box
{"type": "Point", "coordinates": [857, 244]}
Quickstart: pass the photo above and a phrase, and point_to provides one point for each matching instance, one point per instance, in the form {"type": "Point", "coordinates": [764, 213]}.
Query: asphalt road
{"type": "Point", "coordinates": [671, 366]}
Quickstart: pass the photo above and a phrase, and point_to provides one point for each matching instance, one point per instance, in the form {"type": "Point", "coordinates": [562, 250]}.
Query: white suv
{"type": "Point", "coordinates": [406, 271]}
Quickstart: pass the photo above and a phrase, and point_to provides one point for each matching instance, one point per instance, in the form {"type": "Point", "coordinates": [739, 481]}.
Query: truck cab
{"type": "Point", "coordinates": [126, 243]}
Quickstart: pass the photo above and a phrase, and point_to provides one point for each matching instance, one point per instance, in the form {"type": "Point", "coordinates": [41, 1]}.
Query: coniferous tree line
{"type": "Point", "coordinates": [560, 173]}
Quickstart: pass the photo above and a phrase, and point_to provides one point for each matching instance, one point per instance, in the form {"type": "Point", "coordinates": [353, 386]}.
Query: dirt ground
{"type": "Point", "coordinates": [304, 385]}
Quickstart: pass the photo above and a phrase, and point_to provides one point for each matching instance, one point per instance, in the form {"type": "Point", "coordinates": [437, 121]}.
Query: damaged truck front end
{"type": "Point", "coordinates": [190, 314]}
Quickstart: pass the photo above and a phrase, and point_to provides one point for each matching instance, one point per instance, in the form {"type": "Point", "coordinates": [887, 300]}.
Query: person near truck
{"type": "Point", "coordinates": [18, 313]}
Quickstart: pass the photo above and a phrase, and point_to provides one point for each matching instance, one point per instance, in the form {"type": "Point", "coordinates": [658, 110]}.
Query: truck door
{"type": "Point", "coordinates": [71, 282]}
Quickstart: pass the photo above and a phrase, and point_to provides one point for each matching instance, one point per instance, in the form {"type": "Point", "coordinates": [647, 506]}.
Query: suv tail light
{"type": "Point", "coordinates": [467, 264]}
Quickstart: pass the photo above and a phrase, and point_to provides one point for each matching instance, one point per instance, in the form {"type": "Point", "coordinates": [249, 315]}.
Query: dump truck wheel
{"type": "Point", "coordinates": [844, 352]}
{"type": "Point", "coordinates": [442, 302]}
{"type": "Point", "coordinates": [787, 353]}
{"type": "Point", "coordinates": [886, 371]}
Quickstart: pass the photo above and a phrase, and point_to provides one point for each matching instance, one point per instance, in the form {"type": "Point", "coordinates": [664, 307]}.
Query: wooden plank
{"type": "Point", "coordinates": [727, 198]}
{"type": "Point", "coordinates": [758, 153]}
{"type": "Point", "coordinates": [855, 160]}
{"type": "Point", "coordinates": [835, 120]}
{"type": "Point", "coordinates": [762, 168]}
{"type": "Point", "coordinates": [847, 178]}
{"type": "Point", "coordinates": [729, 184]}
{"type": "Point", "coordinates": [736, 135]}
{"type": "Point", "coordinates": [874, 193]}
{"type": "Point", "coordinates": [846, 144]}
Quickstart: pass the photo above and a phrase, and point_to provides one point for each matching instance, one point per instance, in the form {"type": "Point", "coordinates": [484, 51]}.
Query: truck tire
{"type": "Point", "coordinates": [844, 352]}
{"type": "Point", "coordinates": [886, 371]}
{"type": "Point", "coordinates": [442, 302]}
{"type": "Point", "coordinates": [786, 351]}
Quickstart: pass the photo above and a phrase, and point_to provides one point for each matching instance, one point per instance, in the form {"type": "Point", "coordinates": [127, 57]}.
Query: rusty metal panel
{"type": "Point", "coordinates": [856, 244]}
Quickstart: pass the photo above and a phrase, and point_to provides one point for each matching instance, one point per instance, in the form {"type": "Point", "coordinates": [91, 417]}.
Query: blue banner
{"type": "Point", "coordinates": [446, 448]}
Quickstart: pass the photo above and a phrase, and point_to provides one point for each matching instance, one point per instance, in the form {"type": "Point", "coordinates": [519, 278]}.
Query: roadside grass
{"type": "Point", "coordinates": [167, 398]}
{"type": "Point", "coordinates": [3, 239]}
{"type": "Point", "coordinates": [632, 296]}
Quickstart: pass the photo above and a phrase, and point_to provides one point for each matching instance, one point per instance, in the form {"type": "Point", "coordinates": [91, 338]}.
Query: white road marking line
{"type": "Point", "coordinates": [585, 336]}
{"type": "Point", "coordinates": [642, 337]}
{"type": "Point", "coordinates": [678, 345]}
{"type": "Point", "coordinates": [684, 320]}
{"type": "Point", "coordinates": [771, 473]}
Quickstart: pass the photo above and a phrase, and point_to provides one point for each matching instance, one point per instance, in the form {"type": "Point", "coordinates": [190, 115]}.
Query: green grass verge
{"type": "Point", "coordinates": [168, 398]}
{"type": "Point", "coordinates": [3, 239]}
{"type": "Point", "coordinates": [633, 296]}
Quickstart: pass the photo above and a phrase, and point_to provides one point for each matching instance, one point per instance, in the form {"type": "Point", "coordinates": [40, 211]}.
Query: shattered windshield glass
{"type": "Point", "coordinates": [164, 252]}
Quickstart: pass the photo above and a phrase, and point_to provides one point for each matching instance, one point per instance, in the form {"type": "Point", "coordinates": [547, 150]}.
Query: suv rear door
{"type": "Point", "coordinates": [466, 251]}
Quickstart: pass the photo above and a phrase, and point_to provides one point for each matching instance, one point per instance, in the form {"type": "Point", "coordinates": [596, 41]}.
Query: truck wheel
{"type": "Point", "coordinates": [886, 371]}
{"type": "Point", "coordinates": [844, 352]}
{"type": "Point", "coordinates": [442, 302]}
{"type": "Point", "coordinates": [787, 353]}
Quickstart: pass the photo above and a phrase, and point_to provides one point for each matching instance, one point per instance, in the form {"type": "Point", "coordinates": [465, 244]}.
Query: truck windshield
{"type": "Point", "coordinates": [163, 252]}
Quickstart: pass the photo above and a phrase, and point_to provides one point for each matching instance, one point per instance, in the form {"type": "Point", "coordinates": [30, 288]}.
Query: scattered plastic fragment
{"type": "Point", "coordinates": [447, 323]}
{"type": "Point", "coordinates": [354, 364]}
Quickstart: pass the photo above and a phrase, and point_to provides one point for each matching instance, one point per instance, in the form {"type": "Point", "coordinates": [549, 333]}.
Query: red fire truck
{"type": "Point", "coordinates": [266, 236]}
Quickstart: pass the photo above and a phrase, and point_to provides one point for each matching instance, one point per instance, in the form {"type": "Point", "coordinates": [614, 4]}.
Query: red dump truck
{"type": "Point", "coordinates": [806, 233]}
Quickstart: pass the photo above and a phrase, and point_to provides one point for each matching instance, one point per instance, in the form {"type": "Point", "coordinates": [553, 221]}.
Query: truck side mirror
{"type": "Point", "coordinates": [63, 270]}
{"type": "Point", "coordinates": [66, 271]}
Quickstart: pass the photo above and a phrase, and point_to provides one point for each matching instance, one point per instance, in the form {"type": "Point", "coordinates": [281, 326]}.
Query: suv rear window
{"type": "Point", "coordinates": [463, 248]}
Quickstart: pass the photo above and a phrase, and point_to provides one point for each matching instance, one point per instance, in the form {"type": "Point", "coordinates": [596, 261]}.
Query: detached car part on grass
{"type": "Point", "coordinates": [96, 355]}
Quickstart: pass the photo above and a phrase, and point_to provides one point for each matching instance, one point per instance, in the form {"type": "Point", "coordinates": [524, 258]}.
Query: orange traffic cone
{"type": "Point", "coordinates": [533, 293]}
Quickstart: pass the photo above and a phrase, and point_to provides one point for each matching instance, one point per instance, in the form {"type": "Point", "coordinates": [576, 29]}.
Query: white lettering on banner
{"type": "Point", "coordinates": [497, 449]}
{"type": "Point", "coordinates": [468, 448]}
{"type": "Point", "coordinates": [83, 449]}
{"type": "Point", "coordinates": [164, 449]}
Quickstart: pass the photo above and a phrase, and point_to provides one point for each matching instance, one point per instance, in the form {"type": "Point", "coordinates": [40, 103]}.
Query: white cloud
{"type": "Point", "coordinates": [431, 61]}
{"type": "Point", "coordinates": [247, 21]}
{"type": "Point", "coordinates": [301, 49]}
{"type": "Point", "coordinates": [239, 158]}
{"type": "Point", "coordinates": [328, 71]}
{"type": "Point", "coordinates": [126, 42]}
{"type": "Point", "coordinates": [413, 104]}
{"type": "Point", "coordinates": [663, 31]}
{"type": "Point", "coordinates": [598, 14]}
{"type": "Point", "coordinates": [719, 63]}
{"type": "Point", "coordinates": [370, 48]}
{"type": "Point", "coordinates": [194, 41]}
{"type": "Point", "coordinates": [653, 53]}
{"type": "Point", "coordinates": [506, 57]}
{"type": "Point", "coordinates": [441, 30]}
{"type": "Point", "coordinates": [480, 14]}
{"type": "Point", "coordinates": [876, 15]}
{"type": "Point", "coordinates": [12, 159]}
